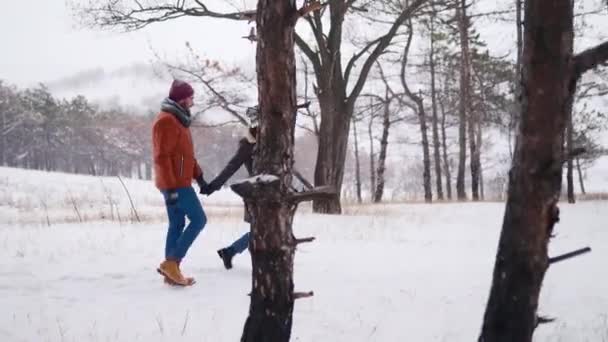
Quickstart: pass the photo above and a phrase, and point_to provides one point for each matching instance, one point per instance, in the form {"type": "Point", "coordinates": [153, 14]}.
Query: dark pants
{"type": "Point", "coordinates": [240, 245]}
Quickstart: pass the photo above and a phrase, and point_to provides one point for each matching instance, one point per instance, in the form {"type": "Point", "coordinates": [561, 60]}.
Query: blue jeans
{"type": "Point", "coordinates": [240, 245]}
{"type": "Point", "coordinates": [179, 239]}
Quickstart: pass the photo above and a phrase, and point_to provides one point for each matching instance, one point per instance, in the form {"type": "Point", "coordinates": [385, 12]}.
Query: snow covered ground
{"type": "Point", "coordinates": [407, 272]}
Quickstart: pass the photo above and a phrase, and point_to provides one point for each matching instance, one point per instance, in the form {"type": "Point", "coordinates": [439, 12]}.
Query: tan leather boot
{"type": "Point", "coordinates": [170, 269]}
{"type": "Point", "coordinates": [168, 281]}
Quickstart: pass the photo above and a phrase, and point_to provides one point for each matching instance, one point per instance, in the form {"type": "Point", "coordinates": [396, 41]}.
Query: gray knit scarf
{"type": "Point", "coordinates": [182, 114]}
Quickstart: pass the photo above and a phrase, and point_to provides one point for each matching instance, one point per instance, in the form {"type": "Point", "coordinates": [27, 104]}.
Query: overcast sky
{"type": "Point", "coordinates": [42, 42]}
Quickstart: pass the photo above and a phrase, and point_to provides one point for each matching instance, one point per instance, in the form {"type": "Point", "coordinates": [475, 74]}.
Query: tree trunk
{"type": "Point", "coordinates": [479, 139]}
{"type": "Point", "coordinates": [436, 145]}
{"type": "Point", "coordinates": [446, 164]}
{"type": "Point", "coordinates": [273, 245]}
{"type": "Point", "coordinates": [426, 160]}
{"type": "Point", "coordinates": [148, 171]}
{"type": "Point", "coordinates": [419, 108]}
{"type": "Point", "coordinates": [92, 168]}
{"type": "Point", "coordinates": [475, 162]}
{"type": "Point", "coordinates": [514, 115]}
{"type": "Point", "coordinates": [386, 125]}
{"type": "Point", "coordinates": [357, 163]}
{"type": "Point", "coordinates": [372, 157]}
{"type": "Point", "coordinates": [536, 173]}
{"type": "Point", "coordinates": [465, 109]}
{"type": "Point", "coordinates": [331, 156]}
{"type": "Point", "coordinates": [580, 176]}
{"type": "Point", "coordinates": [36, 160]}
{"type": "Point", "coordinates": [462, 154]}
{"type": "Point", "coordinates": [47, 147]}
{"type": "Point", "coordinates": [3, 148]}
{"type": "Point", "coordinates": [570, 162]}
{"type": "Point", "coordinates": [333, 80]}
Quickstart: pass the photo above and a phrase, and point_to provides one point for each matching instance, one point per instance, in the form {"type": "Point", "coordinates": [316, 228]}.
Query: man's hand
{"type": "Point", "coordinates": [205, 189]}
{"type": "Point", "coordinates": [211, 188]}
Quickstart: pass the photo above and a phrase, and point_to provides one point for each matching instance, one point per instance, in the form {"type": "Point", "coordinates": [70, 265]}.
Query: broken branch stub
{"type": "Point", "coordinates": [248, 15]}
{"type": "Point", "coordinates": [569, 255]}
{"type": "Point", "coordinates": [298, 295]}
{"type": "Point", "coordinates": [543, 320]}
{"type": "Point", "coordinates": [320, 192]}
{"type": "Point", "coordinates": [304, 240]}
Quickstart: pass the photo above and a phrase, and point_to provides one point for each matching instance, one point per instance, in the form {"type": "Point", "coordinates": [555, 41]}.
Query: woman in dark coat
{"type": "Point", "coordinates": [243, 156]}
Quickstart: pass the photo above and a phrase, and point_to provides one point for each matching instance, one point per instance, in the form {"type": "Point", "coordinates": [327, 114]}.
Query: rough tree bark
{"type": "Point", "coordinates": [386, 125]}
{"type": "Point", "coordinates": [446, 164]}
{"type": "Point", "coordinates": [420, 111]}
{"type": "Point", "coordinates": [479, 140]}
{"type": "Point", "coordinates": [475, 160]}
{"type": "Point", "coordinates": [357, 163]}
{"type": "Point", "coordinates": [464, 108]}
{"type": "Point", "coordinates": [570, 163]}
{"type": "Point", "coordinates": [514, 116]}
{"type": "Point", "coordinates": [436, 146]}
{"type": "Point", "coordinates": [580, 176]}
{"type": "Point", "coordinates": [273, 245]}
{"type": "Point", "coordinates": [549, 77]}
{"type": "Point", "coordinates": [372, 154]}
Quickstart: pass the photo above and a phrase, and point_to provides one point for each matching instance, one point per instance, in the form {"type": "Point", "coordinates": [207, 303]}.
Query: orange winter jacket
{"type": "Point", "coordinates": [174, 162]}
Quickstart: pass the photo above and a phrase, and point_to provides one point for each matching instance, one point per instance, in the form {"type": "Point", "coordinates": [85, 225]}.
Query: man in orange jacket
{"type": "Point", "coordinates": [175, 167]}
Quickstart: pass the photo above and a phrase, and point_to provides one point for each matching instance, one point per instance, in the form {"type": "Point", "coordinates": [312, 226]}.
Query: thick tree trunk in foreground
{"type": "Point", "coordinates": [535, 178]}
{"type": "Point", "coordinates": [272, 246]}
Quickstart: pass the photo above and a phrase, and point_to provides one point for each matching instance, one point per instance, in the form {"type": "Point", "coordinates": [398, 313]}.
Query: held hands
{"type": "Point", "coordinates": [206, 188]}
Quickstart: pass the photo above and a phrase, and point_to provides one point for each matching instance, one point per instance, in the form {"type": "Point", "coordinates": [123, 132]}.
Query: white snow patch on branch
{"type": "Point", "coordinates": [258, 179]}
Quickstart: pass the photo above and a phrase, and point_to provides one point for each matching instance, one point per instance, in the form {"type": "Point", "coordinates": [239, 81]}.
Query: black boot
{"type": "Point", "coordinates": [226, 255]}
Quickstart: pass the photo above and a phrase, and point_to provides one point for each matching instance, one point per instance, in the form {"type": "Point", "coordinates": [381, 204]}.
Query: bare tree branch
{"type": "Point", "coordinates": [300, 295]}
{"type": "Point", "coordinates": [353, 60]}
{"type": "Point", "coordinates": [306, 128]}
{"type": "Point", "coordinates": [404, 61]}
{"type": "Point", "coordinates": [316, 26]}
{"type": "Point", "coordinates": [590, 58]}
{"type": "Point", "coordinates": [224, 103]}
{"type": "Point", "coordinates": [305, 240]}
{"type": "Point", "coordinates": [384, 42]}
{"type": "Point", "coordinates": [312, 56]}
{"type": "Point", "coordinates": [133, 15]}
{"type": "Point", "coordinates": [315, 193]}
{"type": "Point", "coordinates": [307, 111]}
{"type": "Point", "coordinates": [208, 74]}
